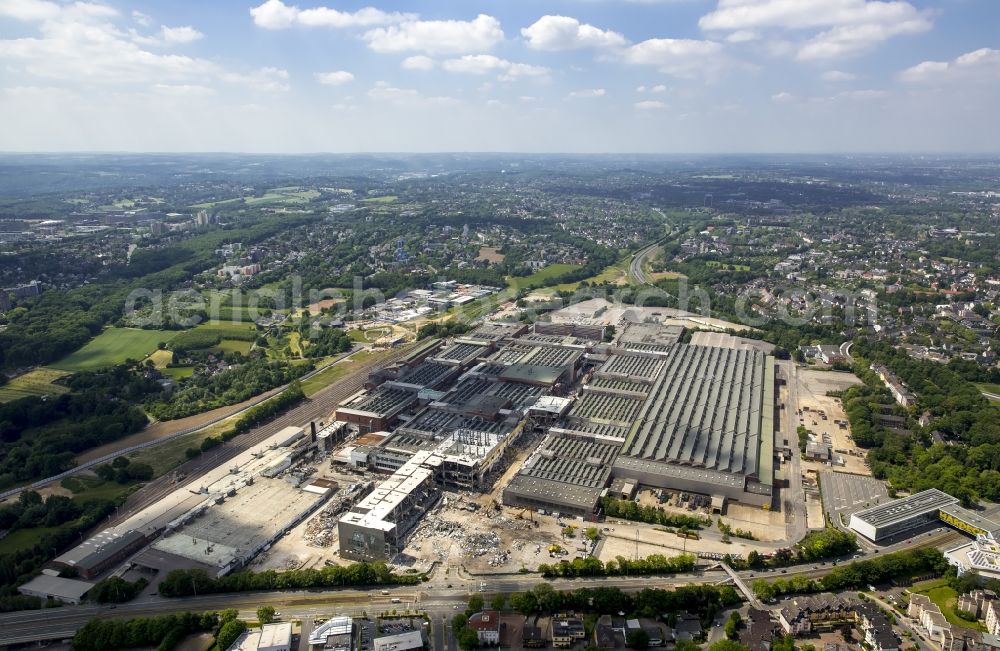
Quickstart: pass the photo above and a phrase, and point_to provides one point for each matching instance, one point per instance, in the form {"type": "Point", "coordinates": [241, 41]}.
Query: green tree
{"type": "Point", "coordinates": [727, 645]}
{"type": "Point", "coordinates": [229, 633]}
{"type": "Point", "coordinates": [265, 614]}
{"type": "Point", "coordinates": [637, 638]}
{"type": "Point", "coordinates": [475, 604]}
{"type": "Point", "coordinates": [499, 601]}
{"type": "Point", "coordinates": [468, 639]}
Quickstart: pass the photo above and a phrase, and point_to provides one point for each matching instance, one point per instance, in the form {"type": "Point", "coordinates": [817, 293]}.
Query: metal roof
{"type": "Point", "coordinates": [923, 503]}
{"type": "Point", "coordinates": [707, 410]}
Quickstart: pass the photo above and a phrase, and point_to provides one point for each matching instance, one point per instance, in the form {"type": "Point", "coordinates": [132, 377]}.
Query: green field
{"type": "Point", "coordinates": [234, 345]}
{"type": "Point", "coordinates": [542, 276]}
{"type": "Point", "coordinates": [386, 199]}
{"type": "Point", "coordinates": [983, 386]}
{"type": "Point", "coordinates": [37, 382]}
{"type": "Point", "coordinates": [725, 266]}
{"type": "Point", "coordinates": [23, 539]}
{"type": "Point", "coordinates": [92, 488]}
{"type": "Point", "coordinates": [178, 372]}
{"type": "Point", "coordinates": [945, 597]}
{"type": "Point", "coordinates": [283, 195]}
{"type": "Point", "coordinates": [114, 346]}
{"type": "Point", "coordinates": [201, 336]}
{"type": "Point", "coordinates": [286, 195]}
{"type": "Point", "coordinates": [330, 375]}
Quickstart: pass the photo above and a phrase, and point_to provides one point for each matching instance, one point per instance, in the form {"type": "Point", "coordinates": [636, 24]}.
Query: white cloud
{"type": "Point", "coordinates": [979, 65]}
{"type": "Point", "coordinates": [418, 62]}
{"type": "Point", "coordinates": [184, 34]}
{"type": "Point", "coordinates": [587, 93]}
{"type": "Point", "coordinates": [168, 36]}
{"type": "Point", "coordinates": [803, 14]}
{"type": "Point", "coordinates": [29, 10]}
{"type": "Point", "coordinates": [383, 92]}
{"type": "Point", "coordinates": [852, 26]}
{"type": "Point", "coordinates": [183, 90]}
{"type": "Point", "coordinates": [853, 39]}
{"type": "Point", "coordinates": [862, 95]}
{"type": "Point", "coordinates": [484, 64]}
{"type": "Point", "coordinates": [437, 36]}
{"type": "Point", "coordinates": [335, 78]}
{"type": "Point", "coordinates": [650, 105]}
{"type": "Point", "coordinates": [80, 43]}
{"type": "Point", "coordinates": [267, 79]}
{"type": "Point", "coordinates": [142, 19]}
{"type": "Point", "coordinates": [640, 89]}
{"type": "Point", "coordinates": [743, 36]}
{"type": "Point", "coordinates": [838, 76]}
{"type": "Point", "coordinates": [566, 33]}
{"type": "Point", "coordinates": [866, 95]}
{"type": "Point", "coordinates": [659, 88]}
{"type": "Point", "coordinates": [275, 14]}
{"type": "Point", "coordinates": [676, 56]}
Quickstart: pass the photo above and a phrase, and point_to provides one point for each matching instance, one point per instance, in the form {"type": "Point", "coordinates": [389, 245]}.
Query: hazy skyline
{"type": "Point", "coordinates": [556, 76]}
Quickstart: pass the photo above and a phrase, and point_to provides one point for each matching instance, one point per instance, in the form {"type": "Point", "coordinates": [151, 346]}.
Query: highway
{"type": "Point", "coordinates": [635, 267]}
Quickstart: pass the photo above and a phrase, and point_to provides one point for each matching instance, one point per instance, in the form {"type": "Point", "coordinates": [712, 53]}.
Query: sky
{"type": "Point", "coordinates": [593, 76]}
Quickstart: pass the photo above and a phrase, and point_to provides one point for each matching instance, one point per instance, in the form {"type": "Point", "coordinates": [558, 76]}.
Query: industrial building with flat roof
{"type": "Point", "coordinates": [56, 588]}
{"type": "Point", "coordinates": [567, 473]}
{"type": "Point", "coordinates": [102, 551]}
{"type": "Point", "coordinates": [707, 425]}
{"type": "Point", "coordinates": [229, 530]}
{"type": "Point", "coordinates": [920, 509]}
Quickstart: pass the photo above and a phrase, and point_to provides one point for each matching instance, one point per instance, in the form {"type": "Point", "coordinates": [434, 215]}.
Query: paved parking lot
{"type": "Point", "coordinates": [845, 493]}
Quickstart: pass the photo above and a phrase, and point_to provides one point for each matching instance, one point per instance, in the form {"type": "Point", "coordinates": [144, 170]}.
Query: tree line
{"type": "Point", "coordinates": [161, 632]}
{"type": "Point", "coordinates": [185, 583]}
{"type": "Point", "coordinates": [631, 510]}
{"type": "Point", "coordinates": [19, 566]}
{"type": "Point", "coordinates": [226, 388]}
{"type": "Point", "coordinates": [40, 436]}
{"type": "Point", "coordinates": [859, 574]}
{"type": "Point", "coordinates": [620, 566]}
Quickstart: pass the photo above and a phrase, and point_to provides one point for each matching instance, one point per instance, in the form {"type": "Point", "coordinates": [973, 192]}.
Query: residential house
{"type": "Point", "coordinates": [532, 636]}
{"type": "Point", "coordinates": [486, 624]}
{"type": "Point", "coordinates": [877, 628]}
{"type": "Point", "coordinates": [803, 614]}
{"type": "Point", "coordinates": [760, 631]}
{"type": "Point", "coordinates": [567, 630]}
{"type": "Point", "coordinates": [931, 620]}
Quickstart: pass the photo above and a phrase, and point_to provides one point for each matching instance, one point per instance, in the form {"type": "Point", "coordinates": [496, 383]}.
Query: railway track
{"type": "Point", "coordinates": [319, 407]}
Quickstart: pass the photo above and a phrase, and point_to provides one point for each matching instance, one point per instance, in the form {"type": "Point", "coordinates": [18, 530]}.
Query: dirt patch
{"type": "Point", "coordinates": [490, 254]}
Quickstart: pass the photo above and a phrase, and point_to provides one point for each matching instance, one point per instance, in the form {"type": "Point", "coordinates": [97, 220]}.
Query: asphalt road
{"type": "Point", "coordinates": [635, 268]}
{"type": "Point", "coordinates": [434, 597]}
{"type": "Point", "coordinates": [794, 497]}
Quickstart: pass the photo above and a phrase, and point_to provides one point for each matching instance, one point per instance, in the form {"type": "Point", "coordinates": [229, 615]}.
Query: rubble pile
{"type": "Point", "coordinates": [320, 531]}
{"type": "Point", "coordinates": [481, 544]}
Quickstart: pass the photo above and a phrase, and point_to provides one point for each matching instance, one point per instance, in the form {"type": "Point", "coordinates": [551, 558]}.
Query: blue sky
{"type": "Point", "coordinates": [493, 75]}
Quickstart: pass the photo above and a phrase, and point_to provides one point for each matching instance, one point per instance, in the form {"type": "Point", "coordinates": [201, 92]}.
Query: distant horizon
{"type": "Point", "coordinates": [859, 153]}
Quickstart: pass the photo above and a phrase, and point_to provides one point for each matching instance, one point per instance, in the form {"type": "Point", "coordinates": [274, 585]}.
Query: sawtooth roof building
{"type": "Point", "coordinates": [707, 425]}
